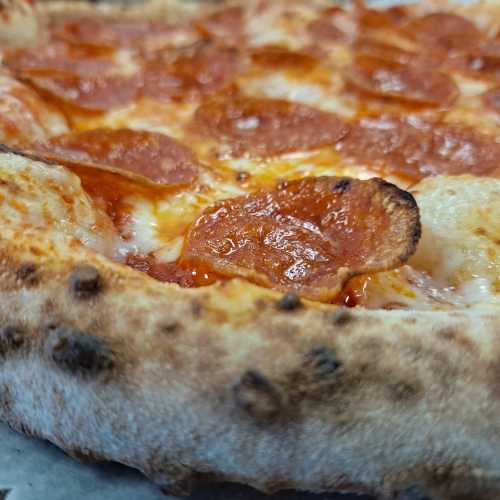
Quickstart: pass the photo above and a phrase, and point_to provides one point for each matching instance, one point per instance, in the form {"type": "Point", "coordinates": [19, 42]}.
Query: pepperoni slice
{"type": "Point", "coordinates": [150, 154]}
{"type": "Point", "coordinates": [275, 57]}
{"type": "Point", "coordinates": [89, 80]}
{"type": "Point", "coordinates": [483, 60]}
{"type": "Point", "coordinates": [367, 46]}
{"type": "Point", "coordinates": [226, 25]}
{"type": "Point", "coordinates": [91, 94]}
{"type": "Point", "coordinates": [374, 48]}
{"type": "Point", "coordinates": [402, 82]}
{"type": "Point", "coordinates": [172, 272]}
{"type": "Point", "coordinates": [307, 236]}
{"type": "Point", "coordinates": [491, 99]}
{"type": "Point", "coordinates": [415, 149]}
{"type": "Point", "coordinates": [266, 127]}
{"type": "Point", "coordinates": [112, 33]}
{"type": "Point", "coordinates": [204, 69]}
{"type": "Point", "coordinates": [332, 25]}
{"type": "Point", "coordinates": [59, 57]}
{"type": "Point", "coordinates": [323, 30]}
{"type": "Point", "coordinates": [444, 31]}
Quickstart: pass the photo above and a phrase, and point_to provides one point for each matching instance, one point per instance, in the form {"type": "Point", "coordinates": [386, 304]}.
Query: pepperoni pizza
{"type": "Point", "coordinates": [255, 241]}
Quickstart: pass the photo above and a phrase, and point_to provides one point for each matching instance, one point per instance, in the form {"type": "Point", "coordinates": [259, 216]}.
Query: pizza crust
{"type": "Point", "coordinates": [235, 382]}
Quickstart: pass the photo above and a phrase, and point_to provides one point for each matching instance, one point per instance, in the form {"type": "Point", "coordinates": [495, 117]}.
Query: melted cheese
{"type": "Point", "coordinates": [24, 116]}
{"type": "Point", "coordinates": [457, 262]}
{"type": "Point", "coordinates": [461, 237]}
{"type": "Point", "coordinates": [50, 199]}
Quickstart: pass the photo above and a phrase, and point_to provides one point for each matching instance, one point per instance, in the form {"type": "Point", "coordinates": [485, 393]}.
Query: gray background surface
{"type": "Point", "coordinates": [36, 470]}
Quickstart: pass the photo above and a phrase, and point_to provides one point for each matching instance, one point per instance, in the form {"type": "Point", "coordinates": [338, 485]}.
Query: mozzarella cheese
{"type": "Point", "coordinates": [50, 200]}
{"type": "Point", "coordinates": [460, 244]}
{"type": "Point", "coordinates": [24, 116]}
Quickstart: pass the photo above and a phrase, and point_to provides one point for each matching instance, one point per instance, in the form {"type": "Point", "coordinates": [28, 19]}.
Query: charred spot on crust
{"type": "Point", "coordinates": [412, 493]}
{"type": "Point", "coordinates": [85, 282]}
{"type": "Point", "coordinates": [323, 361]}
{"type": "Point", "coordinates": [11, 338]}
{"type": "Point", "coordinates": [170, 327]}
{"type": "Point", "coordinates": [342, 316]}
{"type": "Point", "coordinates": [4, 493]}
{"type": "Point", "coordinates": [289, 302]}
{"type": "Point", "coordinates": [400, 197]}
{"type": "Point", "coordinates": [342, 186]}
{"type": "Point", "coordinates": [404, 391]}
{"type": "Point", "coordinates": [197, 308]}
{"type": "Point", "coordinates": [256, 395]}
{"type": "Point", "coordinates": [28, 274]}
{"type": "Point", "coordinates": [78, 352]}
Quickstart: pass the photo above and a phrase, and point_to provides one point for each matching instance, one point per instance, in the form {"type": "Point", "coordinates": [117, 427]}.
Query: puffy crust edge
{"type": "Point", "coordinates": [224, 382]}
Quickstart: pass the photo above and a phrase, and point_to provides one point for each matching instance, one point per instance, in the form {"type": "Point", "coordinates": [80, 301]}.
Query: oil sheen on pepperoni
{"type": "Point", "coordinates": [265, 127]}
{"type": "Point", "coordinates": [415, 148]}
{"type": "Point", "coordinates": [307, 236]}
{"type": "Point", "coordinates": [150, 154]}
{"type": "Point", "coordinates": [392, 80]}
{"type": "Point", "coordinates": [187, 75]}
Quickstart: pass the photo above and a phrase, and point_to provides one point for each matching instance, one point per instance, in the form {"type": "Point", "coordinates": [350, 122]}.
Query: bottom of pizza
{"type": "Point", "coordinates": [235, 382]}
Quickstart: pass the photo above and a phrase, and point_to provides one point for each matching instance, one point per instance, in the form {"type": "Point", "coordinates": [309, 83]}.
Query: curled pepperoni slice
{"type": "Point", "coordinates": [307, 236]}
{"type": "Point", "coordinates": [415, 149]}
{"type": "Point", "coordinates": [491, 98]}
{"type": "Point", "coordinates": [266, 127]}
{"type": "Point", "coordinates": [402, 82]}
{"type": "Point", "coordinates": [445, 31]}
{"type": "Point", "coordinates": [149, 154]}
{"type": "Point", "coordinates": [203, 69]}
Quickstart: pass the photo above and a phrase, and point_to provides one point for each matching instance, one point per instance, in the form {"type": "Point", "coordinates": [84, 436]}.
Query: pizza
{"type": "Point", "coordinates": [255, 241]}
